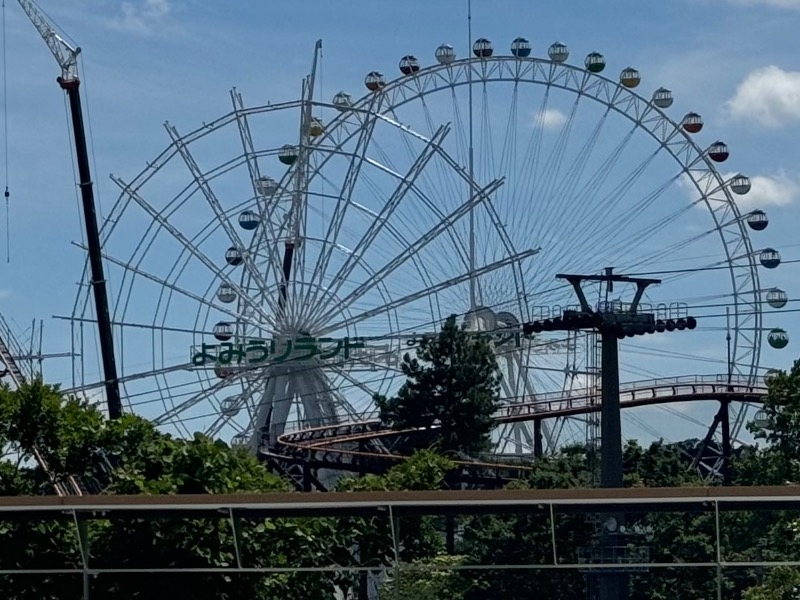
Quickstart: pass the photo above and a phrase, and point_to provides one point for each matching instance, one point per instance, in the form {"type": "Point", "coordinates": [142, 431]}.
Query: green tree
{"type": "Point", "coordinates": [780, 460]}
{"type": "Point", "coordinates": [419, 536]}
{"type": "Point", "coordinates": [72, 436]}
{"type": "Point", "coordinates": [781, 583]}
{"type": "Point", "coordinates": [434, 580]}
{"type": "Point", "coordinates": [526, 539]}
{"type": "Point", "coordinates": [453, 385]}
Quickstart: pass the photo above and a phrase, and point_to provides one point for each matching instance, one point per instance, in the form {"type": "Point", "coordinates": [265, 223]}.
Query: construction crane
{"type": "Point", "coordinates": [67, 58]}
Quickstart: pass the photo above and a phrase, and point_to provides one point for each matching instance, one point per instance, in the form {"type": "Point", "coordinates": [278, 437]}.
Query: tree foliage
{"type": "Point", "coordinates": [438, 580]}
{"type": "Point", "coordinates": [781, 457]}
{"type": "Point", "coordinates": [73, 438]}
{"type": "Point", "coordinates": [453, 385]}
{"type": "Point", "coordinates": [782, 583]}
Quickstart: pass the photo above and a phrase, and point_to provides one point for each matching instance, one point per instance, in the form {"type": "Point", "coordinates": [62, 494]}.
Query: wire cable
{"type": "Point", "coordinates": [92, 152]}
{"type": "Point", "coordinates": [699, 269]}
{"type": "Point", "coordinates": [6, 194]}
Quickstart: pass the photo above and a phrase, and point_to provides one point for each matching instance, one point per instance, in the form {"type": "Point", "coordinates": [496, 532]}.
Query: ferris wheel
{"type": "Point", "coordinates": [271, 268]}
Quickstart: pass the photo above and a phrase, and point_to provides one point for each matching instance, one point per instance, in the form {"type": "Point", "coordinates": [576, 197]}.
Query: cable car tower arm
{"type": "Point", "coordinates": [67, 58]}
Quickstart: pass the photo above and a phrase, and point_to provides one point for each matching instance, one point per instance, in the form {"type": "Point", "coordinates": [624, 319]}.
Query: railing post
{"type": "Point", "coordinates": [719, 550]}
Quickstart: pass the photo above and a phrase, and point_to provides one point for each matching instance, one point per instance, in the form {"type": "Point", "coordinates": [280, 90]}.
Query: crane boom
{"type": "Point", "coordinates": [67, 58]}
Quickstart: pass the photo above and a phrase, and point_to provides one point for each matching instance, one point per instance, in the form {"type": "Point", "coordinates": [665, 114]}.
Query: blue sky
{"type": "Point", "coordinates": [148, 61]}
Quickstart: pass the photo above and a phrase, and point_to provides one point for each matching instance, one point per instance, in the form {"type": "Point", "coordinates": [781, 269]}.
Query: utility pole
{"type": "Point", "coordinates": [67, 58]}
{"type": "Point", "coordinates": [724, 408]}
{"type": "Point", "coordinates": [612, 323]}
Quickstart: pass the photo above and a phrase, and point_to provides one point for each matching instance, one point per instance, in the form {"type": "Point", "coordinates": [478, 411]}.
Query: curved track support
{"type": "Point", "coordinates": [369, 447]}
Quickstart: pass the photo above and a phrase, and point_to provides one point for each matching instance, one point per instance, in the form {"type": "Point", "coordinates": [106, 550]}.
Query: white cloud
{"type": "Point", "coordinates": [769, 96]}
{"type": "Point", "coordinates": [776, 189]}
{"type": "Point", "coordinates": [143, 17]}
{"type": "Point", "coordinates": [779, 189]}
{"type": "Point", "coordinates": [549, 118]}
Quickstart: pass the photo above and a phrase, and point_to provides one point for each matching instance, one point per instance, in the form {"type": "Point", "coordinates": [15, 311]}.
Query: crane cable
{"type": "Point", "coordinates": [6, 194]}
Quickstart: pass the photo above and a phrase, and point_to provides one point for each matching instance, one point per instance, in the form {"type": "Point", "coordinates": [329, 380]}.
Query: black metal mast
{"type": "Point", "coordinates": [67, 56]}
{"type": "Point", "coordinates": [98, 281]}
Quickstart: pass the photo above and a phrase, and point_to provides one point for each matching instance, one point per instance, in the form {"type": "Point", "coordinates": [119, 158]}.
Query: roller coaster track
{"type": "Point", "coordinates": [364, 445]}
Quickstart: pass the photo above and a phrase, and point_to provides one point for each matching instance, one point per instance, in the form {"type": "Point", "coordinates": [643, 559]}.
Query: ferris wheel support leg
{"type": "Point", "coordinates": [537, 439]}
{"type": "Point", "coordinates": [71, 87]}
{"type": "Point", "coordinates": [703, 447]}
{"type": "Point", "coordinates": [726, 441]}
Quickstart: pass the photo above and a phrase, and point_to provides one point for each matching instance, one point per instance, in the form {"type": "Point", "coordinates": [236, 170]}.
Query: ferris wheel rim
{"type": "Point", "coordinates": [481, 76]}
{"type": "Point", "coordinates": [746, 350]}
{"type": "Point", "coordinates": [171, 150]}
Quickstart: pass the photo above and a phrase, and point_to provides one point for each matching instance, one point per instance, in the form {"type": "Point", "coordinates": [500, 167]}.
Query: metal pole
{"type": "Point", "coordinates": [610, 420]}
{"type": "Point", "coordinates": [724, 409]}
{"type": "Point", "coordinates": [612, 586]}
{"type": "Point", "coordinates": [726, 441]}
{"type": "Point", "coordinates": [718, 545]}
{"type": "Point", "coordinates": [538, 450]}
{"type": "Point", "coordinates": [728, 340]}
{"type": "Point", "coordinates": [95, 258]}
{"type": "Point", "coordinates": [473, 298]}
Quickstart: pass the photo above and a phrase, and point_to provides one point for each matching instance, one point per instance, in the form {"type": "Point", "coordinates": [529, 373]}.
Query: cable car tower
{"type": "Point", "coordinates": [67, 58]}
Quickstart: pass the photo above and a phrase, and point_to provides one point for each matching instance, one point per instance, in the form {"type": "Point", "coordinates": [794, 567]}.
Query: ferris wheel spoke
{"type": "Point", "coordinates": [428, 291]}
{"type": "Point", "coordinates": [316, 303]}
{"type": "Point", "coordinates": [482, 196]}
{"type": "Point", "coordinates": [428, 202]}
{"type": "Point", "coordinates": [194, 400]}
{"type": "Point", "coordinates": [226, 417]}
{"type": "Point", "coordinates": [569, 197]}
{"type": "Point", "coordinates": [214, 430]}
{"type": "Point", "coordinates": [447, 186]}
{"type": "Point", "coordinates": [354, 381]}
{"type": "Point", "coordinates": [346, 192]}
{"type": "Point", "coordinates": [246, 138]}
{"type": "Point", "coordinates": [638, 233]}
{"type": "Point", "coordinates": [173, 287]}
{"type": "Point", "coordinates": [308, 315]}
{"type": "Point", "coordinates": [216, 207]}
{"type": "Point", "coordinates": [417, 191]}
{"type": "Point", "coordinates": [659, 255]}
{"type": "Point", "coordinates": [587, 196]}
{"type": "Point", "coordinates": [552, 168]}
{"type": "Point", "coordinates": [595, 230]}
{"type": "Point", "coordinates": [387, 210]}
{"type": "Point", "coordinates": [196, 252]}
{"type": "Point", "coordinates": [499, 227]}
{"type": "Point", "coordinates": [128, 378]}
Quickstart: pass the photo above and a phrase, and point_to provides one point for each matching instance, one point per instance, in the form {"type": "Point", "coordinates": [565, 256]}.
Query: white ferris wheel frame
{"type": "Point", "coordinates": [693, 160]}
